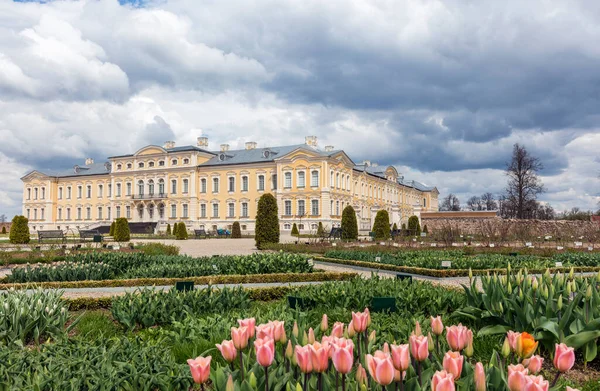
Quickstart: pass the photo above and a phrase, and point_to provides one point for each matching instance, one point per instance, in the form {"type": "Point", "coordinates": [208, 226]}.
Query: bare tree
{"type": "Point", "coordinates": [524, 185]}
{"type": "Point", "coordinates": [2, 218]}
{"type": "Point", "coordinates": [475, 203]}
{"type": "Point", "coordinates": [488, 201]}
{"type": "Point", "coordinates": [450, 203]}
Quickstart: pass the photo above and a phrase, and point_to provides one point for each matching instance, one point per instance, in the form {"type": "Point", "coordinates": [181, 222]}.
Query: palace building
{"type": "Point", "coordinates": [212, 189]}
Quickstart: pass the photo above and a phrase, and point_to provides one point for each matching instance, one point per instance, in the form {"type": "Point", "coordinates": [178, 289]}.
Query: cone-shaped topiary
{"type": "Point", "coordinates": [168, 232]}
{"type": "Point", "coordinates": [381, 227]}
{"type": "Point", "coordinates": [267, 221]}
{"type": "Point", "coordinates": [3, 230]}
{"type": "Point", "coordinates": [414, 226]}
{"type": "Point", "coordinates": [182, 233]}
{"type": "Point", "coordinates": [320, 229]}
{"type": "Point", "coordinates": [122, 233]}
{"type": "Point", "coordinates": [236, 231]}
{"type": "Point", "coordinates": [175, 226]}
{"type": "Point", "coordinates": [19, 230]}
{"type": "Point", "coordinates": [425, 229]}
{"type": "Point", "coordinates": [295, 231]}
{"type": "Point", "coordinates": [404, 226]}
{"type": "Point", "coordinates": [111, 231]}
{"type": "Point", "coordinates": [349, 224]}
{"type": "Point", "coordinates": [394, 227]}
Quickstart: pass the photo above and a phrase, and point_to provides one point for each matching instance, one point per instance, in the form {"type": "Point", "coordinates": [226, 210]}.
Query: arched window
{"type": "Point", "coordinates": [141, 187]}
{"type": "Point", "coordinates": [151, 187]}
{"type": "Point", "coordinates": [331, 182]}
{"type": "Point", "coordinates": [186, 161]}
{"type": "Point", "coordinates": [161, 187]}
{"type": "Point", "coordinates": [161, 211]}
{"type": "Point", "coordinates": [119, 166]}
{"type": "Point", "coordinates": [173, 186]}
{"type": "Point", "coordinates": [150, 164]}
{"type": "Point", "coordinates": [141, 164]}
{"type": "Point", "coordinates": [337, 180]}
{"type": "Point", "coordinates": [203, 185]}
{"type": "Point", "coordinates": [129, 166]}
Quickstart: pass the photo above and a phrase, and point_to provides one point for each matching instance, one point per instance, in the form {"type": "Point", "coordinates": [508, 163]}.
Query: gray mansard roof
{"type": "Point", "coordinates": [379, 171]}
{"type": "Point", "coordinates": [257, 155]}
{"type": "Point", "coordinates": [83, 170]}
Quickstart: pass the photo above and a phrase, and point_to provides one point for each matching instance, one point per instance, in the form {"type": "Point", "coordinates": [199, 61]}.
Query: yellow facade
{"type": "Point", "coordinates": [207, 189]}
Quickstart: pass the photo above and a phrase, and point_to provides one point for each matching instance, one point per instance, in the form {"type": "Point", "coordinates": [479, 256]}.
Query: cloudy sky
{"type": "Point", "coordinates": [441, 89]}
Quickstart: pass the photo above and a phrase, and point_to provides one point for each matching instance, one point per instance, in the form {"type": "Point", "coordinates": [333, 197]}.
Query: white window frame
{"type": "Point", "coordinates": [231, 209]}
{"type": "Point", "coordinates": [186, 186]}
{"type": "Point", "coordinates": [215, 209]}
{"type": "Point", "coordinates": [173, 186]}
{"type": "Point", "coordinates": [260, 183]}
{"type": "Point", "coordinates": [287, 207]}
{"type": "Point", "coordinates": [312, 207]}
{"type": "Point", "coordinates": [60, 193]}
{"type": "Point", "coordinates": [215, 185]}
{"type": "Point", "coordinates": [231, 184]}
{"type": "Point", "coordinates": [314, 178]}
{"type": "Point", "coordinates": [287, 180]}
{"type": "Point", "coordinates": [301, 211]}
{"type": "Point", "coordinates": [173, 211]}
{"type": "Point", "coordinates": [203, 211]}
{"type": "Point", "coordinates": [244, 209]}
{"type": "Point", "coordinates": [245, 183]}
{"type": "Point", "coordinates": [203, 185]}
{"type": "Point", "coordinates": [301, 179]}
{"type": "Point", "coordinates": [184, 210]}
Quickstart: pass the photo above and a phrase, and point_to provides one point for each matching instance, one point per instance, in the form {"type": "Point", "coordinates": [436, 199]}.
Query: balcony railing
{"type": "Point", "coordinates": [149, 196]}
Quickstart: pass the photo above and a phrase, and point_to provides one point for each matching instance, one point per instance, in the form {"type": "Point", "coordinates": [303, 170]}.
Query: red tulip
{"type": "Point", "coordinates": [303, 358]}
{"type": "Point", "coordinates": [342, 358]}
{"type": "Point", "coordinates": [324, 323]}
{"type": "Point", "coordinates": [419, 347]}
{"type": "Point", "coordinates": [337, 330]}
{"type": "Point", "coordinates": [265, 351]}
{"type": "Point", "coordinates": [516, 377]}
{"type": "Point", "coordinates": [458, 337]}
{"type": "Point", "coordinates": [436, 325]}
{"type": "Point", "coordinates": [249, 324]}
{"type": "Point", "coordinates": [359, 321]}
{"type": "Point", "coordinates": [534, 364]}
{"type": "Point", "coordinates": [442, 381]}
{"type": "Point", "coordinates": [239, 335]}
{"type": "Point", "coordinates": [512, 339]}
{"type": "Point", "coordinates": [536, 383]}
{"type": "Point", "coordinates": [480, 382]}
{"type": "Point", "coordinates": [381, 367]}
{"type": "Point", "coordinates": [453, 363]}
{"type": "Point", "coordinates": [401, 357]}
{"type": "Point", "coordinates": [564, 357]}
{"type": "Point", "coordinates": [319, 355]}
{"type": "Point", "coordinates": [200, 369]}
{"type": "Point", "coordinates": [228, 350]}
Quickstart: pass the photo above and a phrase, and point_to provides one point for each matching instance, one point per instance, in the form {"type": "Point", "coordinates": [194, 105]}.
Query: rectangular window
{"type": "Point", "coordinates": [287, 180]}
{"type": "Point", "coordinates": [35, 214]}
{"type": "Point", "coordinates": [203, 210]}
{"type": "Point", "coordinates": [108, 213]}
{"type": "Point", "coordinates": [99, 213]}
{"type": "Point", "coordinates": [261, 182]}
{"type": "Point", "coordinates": [128, 212]}
{"type": "Point", "coordinates": [244, 183]}
{"type": "Point", "coordinates": [109, 190]}
{"type": "Point", "coordinates": [78, 213]}
{"type": "Point", "coordinates": [301, 179]}
{"type": "Point", "coordinates": [301, 208]}
{"type": "Point", "coordinates": [88, 213]}
{"type": "Point", "coordinates": [100, 191]}
{"type": "Point", "coordinates": [231, 184]}
{"type": "Point", "coordinates": [173, 211]}
{"type": "Point", "coordinates": [173, 186]}
{"type": "Point", "coordinates": [68, 213]}
{"type": "Point", "coordinates": [215, 185]}
{"type": "Point", "coordinates": [186, 185]}
{"type": "Point", "coordinates": [118, 192]}
{"type": "Point", "coordinates": [215, 210]}
{"type": "Point", "coordinates": [203, 185]}
{"type": "Point", "coordinates": [185, 210]}
{"type": "Point", "coordinates": [42, 213]}
{"type": "Point", "coordinates": [424, 202]}
{"type": "Point", "coordinates": [315, 207]}
{"type": "Point", "coordinates": [28, 213]}
{"type": "Point", "coordinates": [337, 208]}
{"type": "Point", "coordinates": [79, 191]}
{"type": "Point", "coordinates": [28, 194]}
{"type": "Point", "coordinates": [89, 191]}
{"type": "Point", "coordinates": [59, 213]}
{"type": "Point", "coordinates": [35, 193]}
{"type": "Point", "coordinates": [274, 181]}
{"type": "Point", "coordinates": [231, 211]}
{"type": "Point", "coordinates": [43, 193]}
{"type": "Point", "coordinates": [244, 209]}
{"type": "Point", "coordinates": [314, 179]}
{"type": "Point", "coordinates": [128, 190]}
{"type": "Point", "coordinates": [118, 212]}
{"type": "Point", "coordinates": [69, 192]}
{"type": "Point", "coordinates": [60, 191]}
{"type": "Point", "coordinates": [288, 208]}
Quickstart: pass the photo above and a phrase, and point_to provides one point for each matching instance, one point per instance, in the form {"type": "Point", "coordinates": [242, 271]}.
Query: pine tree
{"type": "Point", "coordinates": [182, 233]}
{"type": "Point", "coordinates": [175, 226]}
{"type": "Point", "coordinates": [19, 230]}
{"type": "Point", "coordinates": [414, 226]}
{"type": "Point", "coordinates": [394, 228]}
{"type": "Point", "coordinates": [3, 230]}
{"type": "Point", "coordinates": [295, 231]}
{"type": "Point", "coordinates": [122, 233]}
{"type": "Point", "coordinates": [267, 221]}
{"type": "Point", "coordinates": [349, 224]}
{"type": "Point", "coordinates": [381, 227]}
{"type": "Point", "coordinates": [168, 232]}
{"type": "Point", "coordinates": [404, 226]}
{"type": "Point", "coordinates": [236, 232]}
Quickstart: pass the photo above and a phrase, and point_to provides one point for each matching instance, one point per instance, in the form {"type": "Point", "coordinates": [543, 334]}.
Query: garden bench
{"type": "Point", "coordinates": [52, 234]}
{"type": "Point", "coordinates": [90, 234]}
{"type": "Point", "coordinates": [336, 233]}
{"type": "Point", "coordinates": [223, 233]}
{"type": "Point", "coordinates": [200, 232]}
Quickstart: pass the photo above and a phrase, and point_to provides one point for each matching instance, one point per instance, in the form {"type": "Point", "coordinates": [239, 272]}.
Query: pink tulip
{"type": "Point", "coordinates": [564, 357]}
{"type": "Point", "coordinates": [295, 330]}
{"type": "Point", "coordinates": [516, 377]}
{"type": "Point", "coordinates": [324, 323]}
{"type": "Point", "coordinates": [319, 355]}
{"type": "Point", "coordinates": [368, 313]}
{"type": "Point", "coordinates": [386, 348]}
{"type": "Point", "coordinates": [265, 351]}
{"type": "Point", "coordinates": [458, 337]}
{"type": "Point", "coordinates": [337, 330]}
{"type": "Point", "coordinates": [289, 351]}
{"type": "Point", "coordinates": [351, 330]}
{"type": "Point", "coordinates": [279, 331]}
{"type": "Point", "coordinates": [228, 350]}
{"type": "Point", "coordinates": [571, 389]}
{"type": "Point", "coordinates": [419, 347]}
{"type": "Point", "coordinates": [250, 324]}
{"type": "Point", "coordinates": [381, 367]}
{"type": "Point", "coordinates": [534, 364]}
{"type": "Point", "coordinates": [240, 337]}
{"type": "Point", "coordinates": [436, 325]}
{"type": "Point", "coordinates": [536, 383]}
{"type": "Point", "coordinates": [342, 359]}
{"type": "Point", "coordinates": [361, 375]}
{"type": "Point", "coordinates": [265, 331]}
{"type": "Point", "coordinates": [480, 382]}
{"type": "Point", "coordinates": [442, 381]}
{"type": "Point", "coordinates": [200, 369]}
{"type": "Point", "coordinates": [401, 357]}
{"type": "Point", "coordinates": [359, 321]}
{"type": "Point", "coordinates": [512, 339]}
{"type": "Point", "coordinates": [311, 336]}
{"type": "Point", "coordinates": [453, 363]}
{"type": "Point", "coordinates": [303, 358]}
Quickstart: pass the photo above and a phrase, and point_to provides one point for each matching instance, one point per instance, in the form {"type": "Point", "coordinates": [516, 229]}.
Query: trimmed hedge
{"type": "Point", "coordinates": [19, 230]}
{"type": "Point", "coordinates": [168, 232]}
{"type": "Point", "coordinates": [267, 221]}
{"type": "Point", "coordinates": [349, 224]}
{"type": "Point", "coordinates": [236, 231]}
{"type": "Point", "coordinates": [205, 280]}
{"type": "Point", "coordinates": [122, 233]}
{"type": "Point", "coordinates": [182, 233]}
{"type": "Point", "coordinates": [381, 227]}
{"type": "Point", "coordinates": [111, 231]}
{"type": "Point", "coordinates": [413, 225]}
{"type": "Point", "coordinates": [295, 231]}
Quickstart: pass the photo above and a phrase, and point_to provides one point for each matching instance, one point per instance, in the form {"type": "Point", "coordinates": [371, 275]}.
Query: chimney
{"type": "Point", "coordinates": [169, 144]}
{"type": "Point", "coordinates": [251, 145]}
{"type": "Point", "coordinates": [89, 161]}
{"type": "Point", "coordinates": [203, 142]}
{"type": "Point", "coordinates": [328, 148]}
{"type": "Point", "coordinates": [311, 141]}
{"type": "Point", "coordinates": [224, 147]}
{"type": "Point", "coordinates": [374, 164]}
{"type": "Point", "coordinates": [366, 163]}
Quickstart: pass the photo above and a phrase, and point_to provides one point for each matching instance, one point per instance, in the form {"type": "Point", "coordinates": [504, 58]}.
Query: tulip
{"type": "Point", "coordinates": [534, 364]}
{"type": "Point", "coordinates": [228, 350]}
{"type": "Point", "coordinates": [200, 369]}
{"type": "Point", "coordinates": [516, 377]}
{"type": "Point", "coordinates": [319, 355]}
{"type": "Point", "coordinates": [265, 351]}
{"type": "Point", "coordinates": [564, 357]}
{"type": "Point", "coordinates": [265, 331]}
{"type": "Point", "coordinates": [229, 386]}
{"type": "Point", "coordinates": [366, 311]}
{"type": "Point", "coordinates": [430, 342]}
{"type": "Point", "coordinates": [289, 350]}
{"type": "Point", "coordinates": [303, 358]}
{"type": "Point", "coordinates": [342, 359]}
{"type": "Point", "coordinates": [386, 348]}
{"type": "Point", "coordinates": [442, 381]}
{"type": "Point", "coordinates": [311, 336]}
{"type": "Point", "coordinates": [571, 389]}
{"type": "Point", "coordinates": [437, 327]}
{"type": "Point", "coordinates": [453, 363]}
{"type": "Point", "coordinates": [372, 336]}
{"type": "Point", "coordinates": [526, 345]}
{"type": "Point", "coordinates": [359, 321]}
{"type": "Point", "coordinates": [469, 349]}
{"type": "Point", "coordinates": [480, 382]}
{"type": "Point", "coordinates": [417, 329]}
{"type": "Point", "coordinates": [401, 357]}
{"type": "Point", "coordinates": [512, 339]}
{"type": "Point", "coordinates": [252, 380]}
{"type": "Point", "coordinates": [361, 375]}
{"type": "Point", "coordinates": [536, 383]}
{"type": "Point", "coordinates": [324, 324]}
{"type": "Point", "coordinates": [249, 324]}
{"type": "Point", "coordinates": [381, 367]}
{"type": "Point", "coordinates": [505, 348]}
{"type": "Point", "coordinates": [279, 331]}
{"type": "Point", "coordinates": [295, 330]}
{"type": "Point", "coordinates": [240, 337]}
{"type": "Point", "coordinates": [351, 330]}
{"type": "Point", "coordinates": [458, 337]}
{"type": "Point", "coordinates": [337, 330]}
{"type": "Point", "coordinates": [304, 338]}
{"type": "Point", "coordinates": [419, 347]}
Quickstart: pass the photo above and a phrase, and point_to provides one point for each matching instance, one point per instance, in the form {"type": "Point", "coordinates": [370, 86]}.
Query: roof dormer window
{"type": "Point", "coordinates": [186, 161]}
